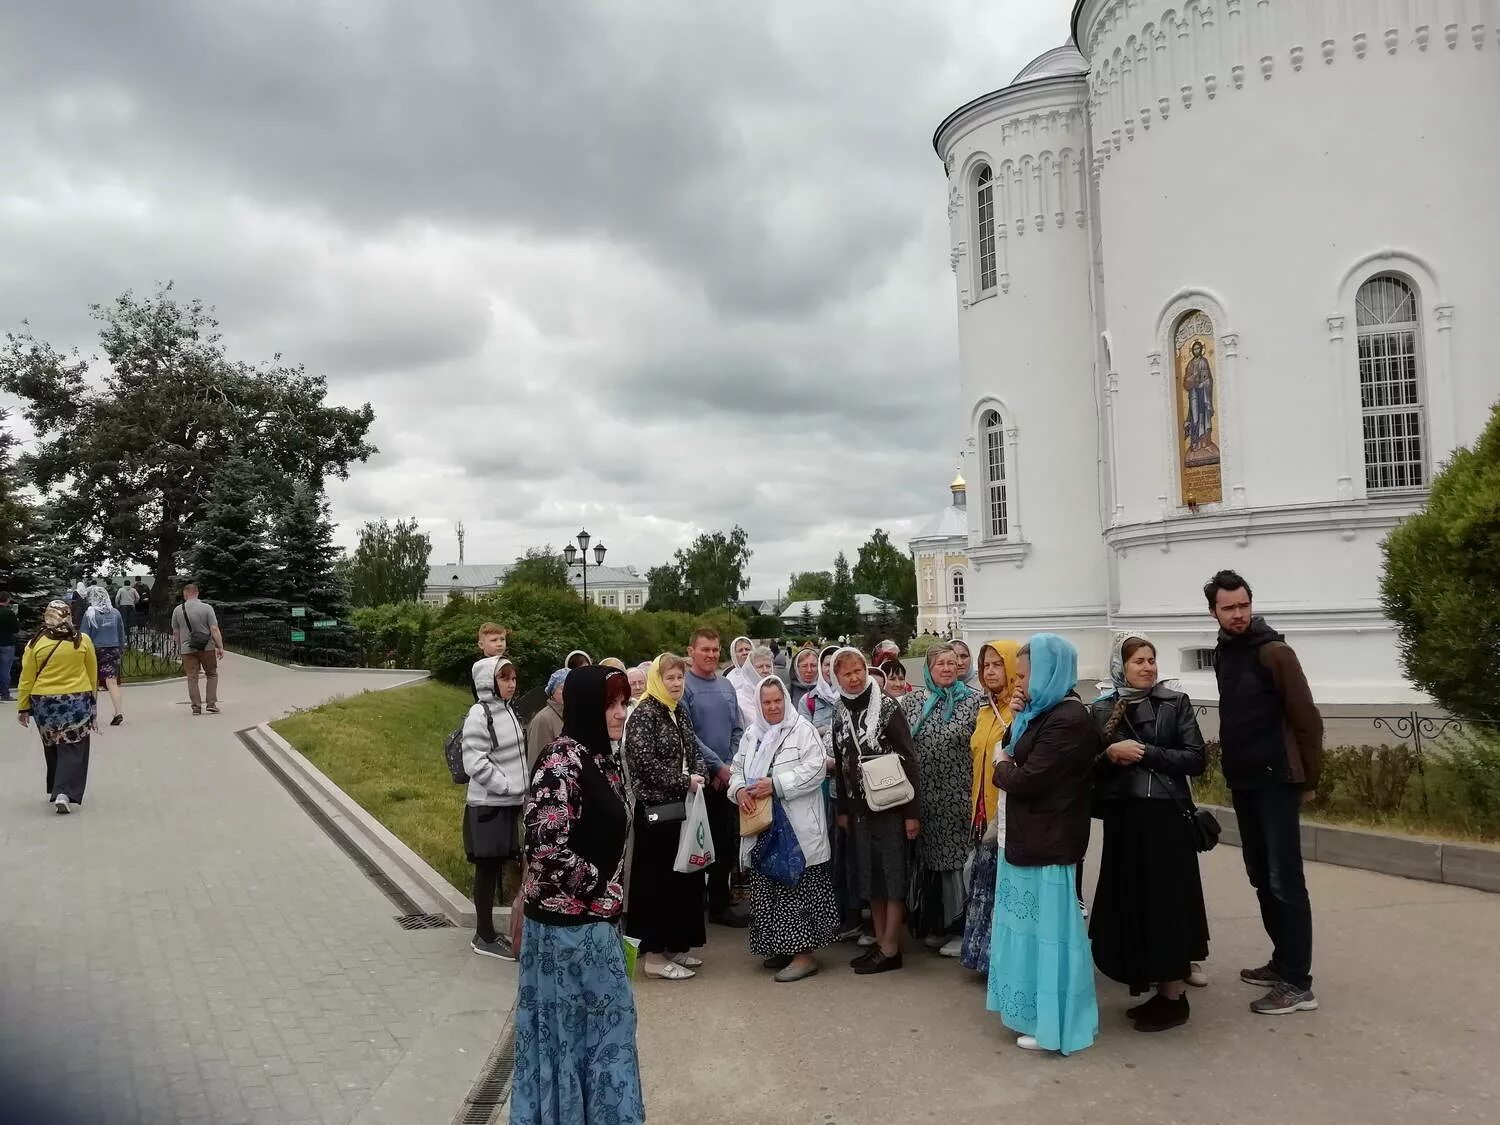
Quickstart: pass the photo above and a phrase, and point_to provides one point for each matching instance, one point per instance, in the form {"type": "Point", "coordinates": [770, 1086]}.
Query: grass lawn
{"type": "Point", "coordinates": [385, 749]}
{"type": "Point", "coordinates": [138, 667]}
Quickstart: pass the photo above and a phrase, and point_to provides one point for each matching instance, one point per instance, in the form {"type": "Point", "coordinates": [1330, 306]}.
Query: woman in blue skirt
{"type": "Point", "coordinates": [1041, 966]}
{"type": "Point", "coordinates": [576, 1061]}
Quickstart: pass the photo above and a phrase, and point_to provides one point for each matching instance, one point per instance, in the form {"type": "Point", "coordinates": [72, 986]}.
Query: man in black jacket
{"type": "Point", "coordinates": [1272, 739]}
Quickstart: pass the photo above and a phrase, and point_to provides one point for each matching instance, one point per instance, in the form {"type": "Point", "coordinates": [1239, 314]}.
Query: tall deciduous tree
{"type": "Point", "coordinates": [840, 617]}
{"type": "Point", "coordinates": [890, 574]}
{"type": "Point", "coordinates": [809, 586]}
{"type": "Point", "coordinates": [712, 569]}
{"type": "Point", "coordinates": [230, 558]}
{"type": "Point", "coordinates": [664, 588]}
{"type": "Point", "coordinates": [1442, 583]}
{"type": "Point", "coordinates": [129, 460]}
{"type": "Point", "coordinates": [389, 564]}
{"type": "Point", "coordinates": [305, 559]}
{"type": "Point", "coordinates": [539, 566]}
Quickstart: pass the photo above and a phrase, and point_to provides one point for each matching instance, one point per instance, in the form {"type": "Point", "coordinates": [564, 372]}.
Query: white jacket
{"type": "Point", "coordinates": [496, 769]}
{"type": "Point", "coordinates": [797, 772]}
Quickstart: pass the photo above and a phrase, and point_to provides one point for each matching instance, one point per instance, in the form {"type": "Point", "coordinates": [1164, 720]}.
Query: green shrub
{"type": "Point", "coordinates": [393, 636]}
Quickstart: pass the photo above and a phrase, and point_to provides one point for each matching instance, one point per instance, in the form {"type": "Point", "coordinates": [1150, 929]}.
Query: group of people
{"type": "Point", "coordinates": [857, 806]}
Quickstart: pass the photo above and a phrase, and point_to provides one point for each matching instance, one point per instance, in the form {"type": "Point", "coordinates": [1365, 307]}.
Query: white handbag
{"type": "Point", "coordinates": [885, 782]}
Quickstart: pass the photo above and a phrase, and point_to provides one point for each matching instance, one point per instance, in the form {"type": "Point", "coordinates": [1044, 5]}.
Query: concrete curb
{"type": "Point", "coordinates": [378, 844]}
{"type": "Point", "coordinates": [1433, 861]}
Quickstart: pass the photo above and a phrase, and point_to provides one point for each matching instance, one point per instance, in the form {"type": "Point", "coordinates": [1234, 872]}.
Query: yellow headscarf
{"type": "Point", "coordinates": [990, 727]}
{"type": "Point", "coordinates": [656, 686]}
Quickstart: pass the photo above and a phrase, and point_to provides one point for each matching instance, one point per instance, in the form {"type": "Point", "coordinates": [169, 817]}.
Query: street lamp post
{"type": "Point", "coordinates": [579, 556]}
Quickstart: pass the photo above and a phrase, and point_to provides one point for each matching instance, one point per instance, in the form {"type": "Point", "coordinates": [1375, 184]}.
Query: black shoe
{"type": "Point", "coordinates": [1264, 977]}
{"type": "Point", "coordinates": [780, 961]}
{"type": "Point", "coordinates": [880, 963]}
{"type": "Point", "coordinates": [1146, 1009]}
{"type": "Point", "coordinates": [864, 957]}
{"type": "Point", "coordinates": [117, 720]}
{"type": "Point", "coordinates": [731, 919]}
{"type": "Point", "coordinates": [1170, 1014]}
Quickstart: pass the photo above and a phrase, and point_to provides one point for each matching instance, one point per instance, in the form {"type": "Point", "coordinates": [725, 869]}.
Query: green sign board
{"type": "Point", "coordinates": [299, 611]}
{"type": "Point", "coordinates": [298, 636]}
{"type": "Point", "coordinates": [324, 624]}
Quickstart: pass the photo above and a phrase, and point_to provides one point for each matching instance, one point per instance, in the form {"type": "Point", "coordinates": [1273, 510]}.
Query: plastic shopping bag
{"type": "Point", "coordinates": [695, 843]}
{"type": "Point", "coordinates": [777, 855]}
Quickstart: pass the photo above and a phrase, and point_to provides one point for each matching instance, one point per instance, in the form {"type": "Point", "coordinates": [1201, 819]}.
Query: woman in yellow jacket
{"type": "Point", "coordinates": [997, 676]}
{"type": "Point", "coordinates": [59, 678]}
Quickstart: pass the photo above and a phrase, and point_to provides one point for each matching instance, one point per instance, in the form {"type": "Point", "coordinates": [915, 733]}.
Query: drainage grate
{"type": "Point", "coordinates": [422, 921]}
{"type": "Point", "coordinates": [492, 1087]}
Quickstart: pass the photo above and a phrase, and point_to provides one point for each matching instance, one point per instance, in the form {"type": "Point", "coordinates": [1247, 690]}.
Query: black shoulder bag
{"type": "Point", "coordinates": [1203, 826]}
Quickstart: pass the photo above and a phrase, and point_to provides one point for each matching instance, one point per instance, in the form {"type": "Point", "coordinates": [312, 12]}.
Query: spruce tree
{"type": "Point", "coordinates": [305, 559]}
{"type": "Point", "coordinates": [26, 566]}
{"type": "Point", "coordinates": [229, 557]}
{"type": "Point", "coordinates": [840, 616]}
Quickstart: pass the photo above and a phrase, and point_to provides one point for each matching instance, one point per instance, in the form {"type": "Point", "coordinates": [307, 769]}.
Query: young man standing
{"type": "Point", "coordinates": [1272, 738]}
{"type": "Point", "coordinates": [715, 710]}
{"type": "Point", "coordinates": [195, 630]}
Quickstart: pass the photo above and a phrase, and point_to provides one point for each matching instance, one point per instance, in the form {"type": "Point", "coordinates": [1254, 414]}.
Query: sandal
{"type": "Point", "coordinates": [670, 971]}
{"type": "Point", "coordinates": [687, 961]}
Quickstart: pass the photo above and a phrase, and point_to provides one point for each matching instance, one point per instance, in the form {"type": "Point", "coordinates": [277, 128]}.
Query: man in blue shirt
{"type": "Point", "coordinates": [715, 711]}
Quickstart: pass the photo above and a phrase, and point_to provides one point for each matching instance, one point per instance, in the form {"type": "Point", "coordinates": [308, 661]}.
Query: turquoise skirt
{"type": "Point", "coordinates": [1041, 967]}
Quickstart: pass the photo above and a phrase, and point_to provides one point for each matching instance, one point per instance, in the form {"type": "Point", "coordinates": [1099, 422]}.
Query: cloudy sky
{"type": "Point", "coordinates": [650, 266]}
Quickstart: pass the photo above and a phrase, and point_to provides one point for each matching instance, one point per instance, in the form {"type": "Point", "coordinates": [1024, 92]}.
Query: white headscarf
{"type": "Point", "coordinates": [872, 712]}
{"type": "Point", "coordinates": [827, 690]}
{"type": "Point", "coordinates": [768, 735]}
{"type": "Point", "coordinates": [98, 598]}
{"type": "Point", "coordinates": [742, 678]}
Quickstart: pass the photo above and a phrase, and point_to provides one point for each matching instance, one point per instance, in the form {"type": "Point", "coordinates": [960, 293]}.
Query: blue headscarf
{"type": "Point", "coordinates": [948, 696]}
{"type": "Point", "coordinates": [1054, 673]}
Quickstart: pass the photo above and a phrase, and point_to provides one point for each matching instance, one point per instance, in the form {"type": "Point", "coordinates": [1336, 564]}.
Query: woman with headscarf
{"type": "Point", "coordinates": [997, 664]}
{"type": "Point", "coordinates": [741, 676]}
{"type": "Point", "coordinates": [59, 678]}
{"type": "Point", "coordinates": [781, 759]}
{"type": "Point", "coordinates": [666, 764]}
{"type": "Point", "coordinates": [1041, 974]}
{"type": "Point", "coordinates": [967, 673]}
{"type": "Point", "coordinates": [871, 725]}
{"type": "Point", "coordinates": [824, 696]}
{"type": "Point", "coordinates": [494, 748]}
{"type": "Point", "coordinates": [942, 722]}
{"type": "Point", "coordinates": [104, 625]}
{"type": "Point", "coordinates": [804, 677]}
{"type": "Point", "coordinates": [575, 1020]}
{"type": "Point", "coordinates": [1149, 924]}
{"type": "Point", "coordinates": [577, 659]}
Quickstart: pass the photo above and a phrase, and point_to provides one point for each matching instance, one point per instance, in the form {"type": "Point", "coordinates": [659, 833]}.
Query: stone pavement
{"type": "Point", "coordinates": [191, 947]}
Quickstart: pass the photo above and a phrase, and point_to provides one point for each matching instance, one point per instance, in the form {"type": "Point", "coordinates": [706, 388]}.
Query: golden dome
{"type": "Point", "coordinates": [958, 483]}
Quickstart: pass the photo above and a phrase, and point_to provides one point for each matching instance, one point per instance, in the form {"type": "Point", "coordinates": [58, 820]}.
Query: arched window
{"type": "Point", "coordinates": [984, 235]}
{"type": "Point", "coordinates": [1390, 384]}
{"type": "Point", "coordinates": [958, 587]}
{"type": "Point", "coordinates": [996, 508]}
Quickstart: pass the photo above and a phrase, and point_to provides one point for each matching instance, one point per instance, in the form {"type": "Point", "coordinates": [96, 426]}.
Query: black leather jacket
{"type": "Point", "coordinates": [1166, 724]}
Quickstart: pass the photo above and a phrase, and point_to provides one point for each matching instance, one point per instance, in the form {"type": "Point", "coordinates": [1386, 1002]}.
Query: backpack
{"type": "Point", "coordinates": [453, 749]}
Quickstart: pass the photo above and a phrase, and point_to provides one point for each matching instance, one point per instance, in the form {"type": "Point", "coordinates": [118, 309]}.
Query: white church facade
{"type": "Point", "coordinates": [1225, 271]}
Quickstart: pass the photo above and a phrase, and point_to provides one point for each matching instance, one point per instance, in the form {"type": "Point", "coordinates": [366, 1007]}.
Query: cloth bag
{"type": "Point", "coordinates": [758, 819]}
{"type": "Point", "coordinates": [695, 843]}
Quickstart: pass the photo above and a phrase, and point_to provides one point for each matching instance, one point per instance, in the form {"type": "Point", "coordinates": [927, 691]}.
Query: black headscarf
{"type": "Point", "coordinates": [583, 707]}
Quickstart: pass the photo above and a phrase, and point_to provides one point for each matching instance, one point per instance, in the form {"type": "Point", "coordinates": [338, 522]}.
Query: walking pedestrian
{"type": "Point", "coordinates": [547, 723]}
{"type": "Point", "coordinates": [997, 679]}
{"type": "Point", "coordinates": [1041, 975]}
{"type": "Point", "coordinates": [715, 713]}
{"type": "Point", "coordinates": [1149, 924]}
{"type": "Point", "coordinates": [142, 603]}
{"type": "Point", "coordinates": [942, 723]}
{"type": "Point", "coordinates": [126, 599]}
{"type": "Point", "coordinates": [575, 1019]}
{"type": "Point", "coordinates": [662, 754]}
{"type": "Point", "coordinates": [59, 678]}
{"type": "Point", "coordinates": [781, 759]}
{"type": "Point", "coordinates": [10, 632]}
{"type": "Point", "coordinates": [870, 725]}
{"type": "Point", "coordinates": [494, 748]}
{"type": "Point", "coordinates": [1272, 738]}
{"type": "Point", "coordinates": [104, 625]}
{"type": "Point", "coordinates": [195, 630]}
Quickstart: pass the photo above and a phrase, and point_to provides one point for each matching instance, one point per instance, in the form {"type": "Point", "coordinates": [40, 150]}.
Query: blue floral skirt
{"type": "Point", "coordinates": [576, 1059]}
{"type": "Point", "coordinates": [63, 720]}
{"type": "Point", "coordinates": [979, 908]}
{"type": "Point", "coordinates": [1041, 966]}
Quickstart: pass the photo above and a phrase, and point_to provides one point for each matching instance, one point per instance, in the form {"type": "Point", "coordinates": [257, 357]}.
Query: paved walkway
{"type": "Point", "coordinates": [191, 947]}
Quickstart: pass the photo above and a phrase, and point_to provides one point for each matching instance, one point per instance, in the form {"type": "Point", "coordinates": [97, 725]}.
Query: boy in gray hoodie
{"type": "Point", "coordinates": [495, 759]}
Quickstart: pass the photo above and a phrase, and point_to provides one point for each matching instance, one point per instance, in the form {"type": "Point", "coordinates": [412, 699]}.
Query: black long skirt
{"type": "Point", "coordinates": [665, 909]}
{"type": "Point", "coordinates": [1148, 922]}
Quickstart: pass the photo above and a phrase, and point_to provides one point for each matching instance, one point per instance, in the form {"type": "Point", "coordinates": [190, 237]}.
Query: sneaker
{"type": "Point", "coordinates": [197, 710]}
{"type": "Point", "coordinates": [1029, 1043]}
{"type": "Point", "coordinates": [1283, 1000]}
{"type": "Point", "coordinates": [500, 947]}
{"type": "Point", "coordinates": [1197, 977]}
{"type": "Point", "coordinates": [60, 803]}
{"type": "Point", "coordinates": [1263, 977]}
{"type": "Point", "coordinates": [1164, 1016]}
{"type": "Point", "coordinates": [213, 708]}
{"type": "Point", "coordinates": [880, 963]}
{"type": "Point", "coordinates": [954, 947]}
{"type": "Point", "coordinates": [1083, 908]}
{"type": "Point", "coordinates": [117, 720]}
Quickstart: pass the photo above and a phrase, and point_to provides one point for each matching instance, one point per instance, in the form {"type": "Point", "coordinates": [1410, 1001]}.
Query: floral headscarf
{"type": "Point", "coordinates": [57, 620]}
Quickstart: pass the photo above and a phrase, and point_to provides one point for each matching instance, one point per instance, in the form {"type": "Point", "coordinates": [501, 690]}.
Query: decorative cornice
{"type": "Point", "coordinates": [1015, 553]}
{"type": "Point", "coordinates": [1347, 519]}
{"type": "Point", "coordinates": [1054, 103]}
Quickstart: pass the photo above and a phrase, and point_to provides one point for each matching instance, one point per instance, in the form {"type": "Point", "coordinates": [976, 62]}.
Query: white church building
{"type": "Point", "coordinates": [1225, 270]}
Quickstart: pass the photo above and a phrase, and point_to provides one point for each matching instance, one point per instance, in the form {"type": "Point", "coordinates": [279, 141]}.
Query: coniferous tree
{"type": "Point", "coordinates": [306, 561]}
{"type": "Point", "coordinates": [26, 566]}
{"type": "Point", "coordinates": [840, 617]}
{"type": "Point", "coordinates": [230, 558]}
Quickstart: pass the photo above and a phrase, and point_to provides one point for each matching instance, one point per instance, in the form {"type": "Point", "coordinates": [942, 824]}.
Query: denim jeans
{"type": "Point", "coordinates": [7, 662]}
{"type": "Point", "coordinates": [1271, 841]}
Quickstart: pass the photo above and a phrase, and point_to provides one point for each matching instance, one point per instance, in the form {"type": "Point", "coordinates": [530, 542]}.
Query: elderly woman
{"type": "Point", "coordinates": [575, 1017]}
{"type": "Point", "coordinates": [997, 665]}
{"type": "Point", "coordinates": [942, 722]}
{"type": "Point", "coordinates": [824, 697]}
{"type": "Point", "coordinates": [1149, 923]}
{"type": "Point", "coordinates": [104, 625]}
{"type": "Point", "coordinates": [637, 677]}
{"type": "Point", "coordinates": [804, 676]}
{"type": "Point", "coordinates": [967, 673]}
{"type": "Point", "coordinates": [666, 764]}
{"type": "Point", "coordinates": [781, 759]}
{"type": "Point", "coordinates": [59, 676]}
{"type": "Point", "coordinates": [1041, 977]}
{"type": "Point", "coordinates": [870, 725]}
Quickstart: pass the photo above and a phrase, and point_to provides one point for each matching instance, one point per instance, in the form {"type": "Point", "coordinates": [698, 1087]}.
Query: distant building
{"type": "Point", "coordinates": [870, 607]}
{"type": "Point", "coordinates": [941, 556]}
{"type": "Point", "coordinates": [754, 607]}
{"type": "Point", "coordinates": [611, 587]}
